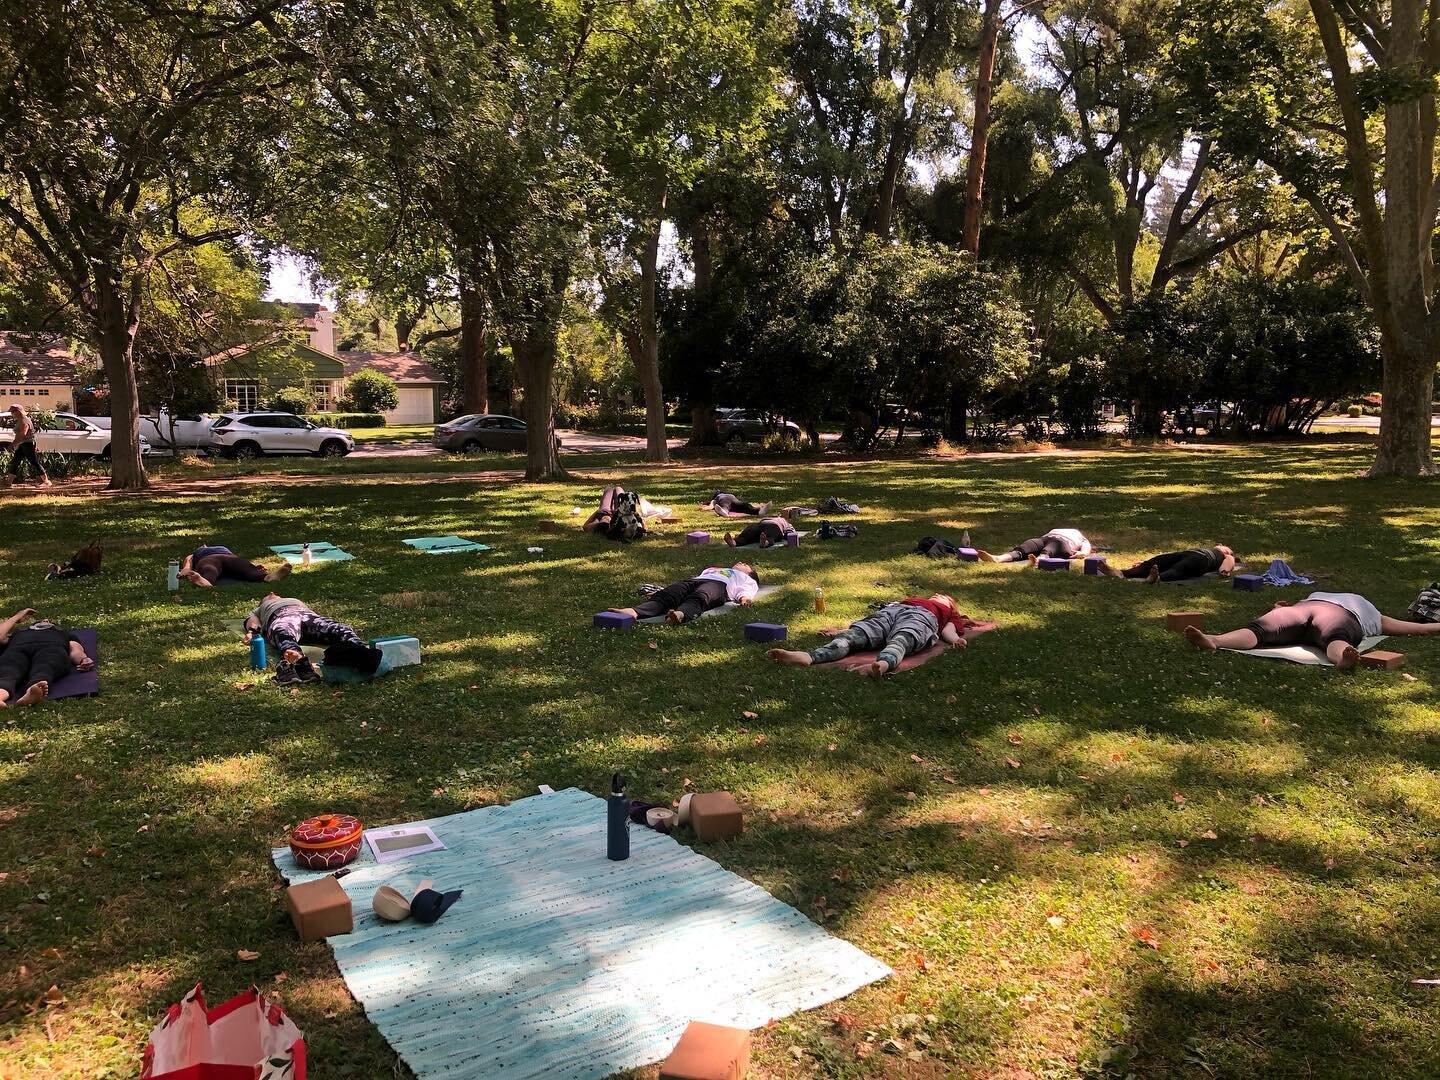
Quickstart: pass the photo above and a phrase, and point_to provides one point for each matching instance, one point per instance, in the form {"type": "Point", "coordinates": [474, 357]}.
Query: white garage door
{"type": "Point", "coordinates": [416, 406]}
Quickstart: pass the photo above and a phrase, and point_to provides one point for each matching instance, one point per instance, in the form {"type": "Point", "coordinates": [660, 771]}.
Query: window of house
{"type": "Point", "coordinates": [244, 392]}
{"type": "Point", "coordinates": [322, 389]}
{"type": "Point", "coordinates": [44, 393]}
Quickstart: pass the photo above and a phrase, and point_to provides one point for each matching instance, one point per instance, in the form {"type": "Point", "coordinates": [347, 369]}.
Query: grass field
{"type": "Point", "coordinates": [1086, 850]}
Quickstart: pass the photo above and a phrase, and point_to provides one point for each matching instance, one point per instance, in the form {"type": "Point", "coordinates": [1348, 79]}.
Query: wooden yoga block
{"type": "Point", "coordinates": [1095, 564]}
{"type": "Point", "coordinates": [1248, 582]}
{"type": "Point", "coordinates": [1180, 621]}
{"type": "Point", "coordinates": [708, 1052]}
{"type": "Point", "coordinates": [319, 908]}
{"type": "Point", "coordinates": [549, 526]}
{"type": "Point", "coordinates": [1379, 658]}
{"type": "Point", "coordinates": [699, 536]}
{"type": "Point", "coordinates": [765, 631]}
{"type": "Point", "coordinates": [614, 620]}
{"type": "Point", "coordinates": [716, 815]}
{"type": "Point", "coordinates": [1047, 563]}
{"type": "Point", "coordinates": [670, 519]}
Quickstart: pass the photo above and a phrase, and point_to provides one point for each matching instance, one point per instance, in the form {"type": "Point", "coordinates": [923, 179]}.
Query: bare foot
{"type": "Point", "coordinates": [878, 669]}
{"type": "Point", "coordinates": [675, 616]}
{"type": "Point", "coordinates": [791, 657]}
{"type": "Point", "coordinates": [625, 611]}
{"type": "Point", "coordinates": [280, 573]}
{"type": "Point", "coordinates": [985, 556]}
{"type": "Point", "coordinates": [36, 693]}
{"type": "Point", "coordinates": [4, 699]}
{"type": "Point", "coordinates": [1154, 575]}
{"type": "Point", "coordinates": [1348, 658]}
{"type": "Point", "coordinates": [45, 482]}
{"type": "Point", "coordinates": [1033, 560]}
{"type": "Point", "coordinates": [764, 541]}
{"type": "Point", "coordinates": [292, 655]}
{"type": "Point", "coordinates": [763, 511]}
{"type": "Point", "coordinates": [194, 577]}
{"type": "Point", "coordinates": [1199, 639]}
{"type": "Point", "coordinates": [729, 539]}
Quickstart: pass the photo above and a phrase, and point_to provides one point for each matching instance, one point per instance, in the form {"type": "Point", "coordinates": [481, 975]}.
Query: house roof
{"type": "Point", "coordinates": [41, 358]}
{"type": "Point", "coordinates": [403, 367]}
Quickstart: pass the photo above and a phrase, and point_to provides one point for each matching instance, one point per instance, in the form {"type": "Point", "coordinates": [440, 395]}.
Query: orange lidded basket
{"type": "Point", "coordinates": [326, 842]}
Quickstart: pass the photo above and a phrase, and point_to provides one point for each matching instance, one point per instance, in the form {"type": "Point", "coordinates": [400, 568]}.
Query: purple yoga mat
{"type": "Point", "coordinates": [81, 683]}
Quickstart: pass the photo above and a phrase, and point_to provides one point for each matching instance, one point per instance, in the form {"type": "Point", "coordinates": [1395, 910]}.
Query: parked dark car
{"type": "Point", "coordinates": [481, 431]}
{"type": "Point", "coordinates": [742, 425]}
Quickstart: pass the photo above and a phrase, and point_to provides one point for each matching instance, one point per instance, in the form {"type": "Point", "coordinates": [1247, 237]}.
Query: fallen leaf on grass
{"type": "Point", "coordinates": [831, 747]}
{"type": "Point", "coordinates": [1209, 834]}
{"type": "Point", "coordinates": [844, 1022]}
{"type": "Point", "coordinates": [53, 996]}
{"type": "Point", "coordinates": [920, 964]}
{"type": "Point", "coordinates": [1182, 843]}
{"type": "Point", "coordinates": [687, 782]}
{"type": "Point", "coordinates": [1408, 677]}
{"type": "Point", "coordinates": [143, 828]}
{"type": "Point", "coordinates": [281, 976]}
{"type": "Point", "coordinates": [1146, 936]}
{"type": "Point", "coordinates": [910, 796]}
{"type": "Point", "coordinates": [1117, 756]}
{"type": "Point", "coordinates": [242, 686]}
{"type": "Point", "coordinates": [748, 715]}
{"type": "Point", "coordinates": [1014, 738]}
{"type": "Point", "coordinates": [948, 779]}
{"type": "Point", "coordinates": [1012, 763]}
{"type": "Point", "coordinates": [917, 759]}
{"type": "Point", "coordinates": [843, 875]}
{"type": "Point", "coordinates": [759, 739]}
{"type": "Point", "coordinates": [246, 954]}
{"type": "Point", "coordinates": [652, 645]}
{"type": "Point", "coordinates": [1178, 799]}
{"type": "Point", "coordinates": [1329, 863]}
{"type": "Point", "coordinates": [1056, 921]}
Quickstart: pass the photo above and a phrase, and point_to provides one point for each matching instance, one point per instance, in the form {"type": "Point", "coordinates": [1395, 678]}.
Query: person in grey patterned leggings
{"type": "Point", "coordinates": [896, 630]}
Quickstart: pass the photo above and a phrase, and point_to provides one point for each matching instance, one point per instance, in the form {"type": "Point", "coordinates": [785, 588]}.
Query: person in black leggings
{"type": "Point", "coordinates": [773, 530]}
{"type": "Point", "coordinates": [1180, 565]}
{"type": "Point", "coordinates": [689, 599]}
{"type": "Point", "coordinates": [727, 505]}
{"type": "Point", "coordinates": [22, 447]}
{"type": "Point", "coordinates": [207, 565]}
{"type": "Point", "coordinates": [35, 657]}
{"type": "Point", "coordinates": [1055, 544]}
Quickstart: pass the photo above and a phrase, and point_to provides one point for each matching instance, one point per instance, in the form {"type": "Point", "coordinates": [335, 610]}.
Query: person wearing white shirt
{"type": "Point", "coordinates": [689, 599]}
{"type": "Point", "coordinates": [1055, 544]}
{"type": "Point", "coordinates": [1333, 622]}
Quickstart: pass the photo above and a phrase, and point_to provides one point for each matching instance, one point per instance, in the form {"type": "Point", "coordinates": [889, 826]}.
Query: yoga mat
{"type": "Point", "coordinates": [1304, 654]}
{"type": "Point", "coordinates": [319, 552]}
{"type": "Point", "coordinates": [561, 964]}
{"type": "Point", "coordinates": [756, 546]}
{"type": "Point", "coordinates": [765, 590]}
{"type": "Point", "coordinates": [445, 545]}
{"type": "Point", "coordinates": [859, 661]}
{"type": "Point", "coordinates": [79, 683]}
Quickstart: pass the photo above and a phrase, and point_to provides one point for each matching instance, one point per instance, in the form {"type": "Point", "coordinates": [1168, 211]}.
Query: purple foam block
{"type": "Point", "coordinates": [614, 620]}
{"type": "Point", "coordinates": [1095, 564]}
{"type": "Point", "coordinates": [699, 536]}
{"type": "Point", "coordinates": [792, 539]}
{"type": "Point", "coordinates": [1047, 563]}
{"type": "Point", "coordinates": [81, 683]}
{"type": "Point", "coordinates": [1249, 582]}
{"type": "Point", "coordinates": [764, 631]}
{"type": "Point", "coordinates": [969, 555]}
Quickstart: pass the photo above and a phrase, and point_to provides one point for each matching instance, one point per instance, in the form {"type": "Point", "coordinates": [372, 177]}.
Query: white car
{"type": "Point", "coordinates": [71, 435]}
{"type": "Point", "coordinates": [250, 434]}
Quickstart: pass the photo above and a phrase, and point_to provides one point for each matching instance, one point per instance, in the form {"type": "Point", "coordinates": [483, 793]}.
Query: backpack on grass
{"type": "Point", "coordinates": [936, 548]}
{"type": "Point", "coordinates": [828, 530]}
{"type": "Point", "coordinates": [1426, 607]}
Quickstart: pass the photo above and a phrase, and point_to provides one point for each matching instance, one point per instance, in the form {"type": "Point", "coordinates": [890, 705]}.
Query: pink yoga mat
{"type": "Point", "coordinates": [80, 683]}
{"type": "Point", "coordinates": [858, 661]}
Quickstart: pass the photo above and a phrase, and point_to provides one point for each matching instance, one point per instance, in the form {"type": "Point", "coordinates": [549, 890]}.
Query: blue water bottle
{"type": "Point", "coordinates": [617, 817]}
{"type": "Point", "coordinates": [257, 653]}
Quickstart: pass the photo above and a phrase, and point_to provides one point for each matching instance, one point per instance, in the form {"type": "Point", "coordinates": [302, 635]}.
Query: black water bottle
{"type": "Point", "coordinates": [617, 816]}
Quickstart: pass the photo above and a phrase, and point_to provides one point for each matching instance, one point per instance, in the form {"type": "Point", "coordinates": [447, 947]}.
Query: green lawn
{"type": "Point", "coordinates": [1011, 828]}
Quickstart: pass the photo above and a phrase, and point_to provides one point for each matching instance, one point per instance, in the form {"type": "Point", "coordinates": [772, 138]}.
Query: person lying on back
{"type": "Point", "coordinates": [1055, 544]}
{"type": "Point", "coordinates": [208, 564]}
{"type": "Point", "coordinates": [727, 505]}
{"type": "Point", "coordinates": [713, 587]}
{"type": "Point", "coordinates": [287, 623]}
{"type": "Point", "coordinates": [33, 658]}
{"type": "Point", "coordinates": [1180, 565]}
{"type": "Point", "coordinates": [896, 631]}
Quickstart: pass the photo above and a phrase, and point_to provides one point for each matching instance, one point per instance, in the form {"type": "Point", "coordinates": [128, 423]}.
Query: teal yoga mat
{"type": "Point", "coordinates": [319, 552]}
{"type": "Point", "coordinates": [445, 545]}
{"type": "Point", "coordinates": [558, 963]}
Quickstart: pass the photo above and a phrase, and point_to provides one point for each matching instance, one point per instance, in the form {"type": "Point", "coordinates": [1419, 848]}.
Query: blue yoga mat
{"type": "Point", "coordinates": [319, 552]}
{"type": "Point", "coordinates": [445, 545]}
{"type": "Point", "coordinates": [558, 963]}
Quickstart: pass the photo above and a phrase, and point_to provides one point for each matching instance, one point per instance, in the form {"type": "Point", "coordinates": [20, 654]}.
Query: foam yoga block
{"type": "Point", "coordinates": [699, 536]}
{"type": "Point", "coordinates": [1095, 564]}
{"type": "Point", "coordinates": [613, 620]}
{"type": "Point", "coordinates": [1379, 658]}
{"type": "Point", "coordinates": [319, 908]}
{"type": "Point", "coordinates": [969, 555]}
{"type": "Point", "coordinates": [716, 815]}
{"type": "Point", "coordinates": [1249, 582]}
{"type": "Point", "coordinates": [397, 651]}
{"type": "Point", "coordinates": [708, 1052]}
{"type": "Point", "coordinates": [1179, 621]}
{"type": "Point", "coordinates": [1046, 563]}
{"type": "Point", "coordinates": [764, 631]}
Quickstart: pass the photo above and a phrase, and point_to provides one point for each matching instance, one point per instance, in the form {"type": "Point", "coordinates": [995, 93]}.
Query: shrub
{"type": "Point", "coordinates": [293, 399]}
{"type": "Point", "coordinates": [1355, 410]}
{"type": "Point", "coordinates": [348, 420]}
{"type": "Point", "coordinates": [371, 392]}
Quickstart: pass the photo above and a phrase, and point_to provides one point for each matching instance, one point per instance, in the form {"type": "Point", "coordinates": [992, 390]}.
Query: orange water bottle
{"type": "Point", "coordinates": [819, 598]}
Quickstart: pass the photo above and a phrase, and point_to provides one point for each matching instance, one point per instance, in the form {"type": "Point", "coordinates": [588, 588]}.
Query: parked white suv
{"type": "Point", "coordinates": [250, 434]}
{"type": "Point", "coordinates": [71, 435]}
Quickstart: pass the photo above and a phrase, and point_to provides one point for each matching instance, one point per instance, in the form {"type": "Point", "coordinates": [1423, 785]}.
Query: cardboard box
{"type": "Point", "coordinates": [613, 620]}
{"type": "Point", "coordinates": [1094, 564]}
{"type": "Point", "coordinates": [1047, 563]}
{"type": "Point", "coordinates": [1379, 658]}
{"type": "Point", "coordinates": [765, 631]}
{"type": "Point", "coordinates": [1179, 621]}
{"type": "Point", "coordinates": [715, 815]}
{"type": "Point", "coordinates": [1248, 582]}
{"type": "Point", "coordinates": [708, 1052]}
{"type": "Point", "coordinates": [319, 908]}
{"type": "Point", "coordinates": [699, 536]}
{"type": "Point", "coordinates": [968, 555]}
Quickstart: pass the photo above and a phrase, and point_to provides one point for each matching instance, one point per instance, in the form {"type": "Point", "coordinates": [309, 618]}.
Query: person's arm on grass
{"type": "Point", "coordinates": [8, 626]}
{"type": "Point", "coordinates": [1401, 627]}
{"type": "Point", "coordinates": [79, 657]}
{"type": "Point", "coordinates": [185, 566]}
{"type": "Point", "coordinates": [252, 625]}
{"type": "Point", "coordinates": [1227, 565]}
{"type": "Point", "coordinates": [951, 636]}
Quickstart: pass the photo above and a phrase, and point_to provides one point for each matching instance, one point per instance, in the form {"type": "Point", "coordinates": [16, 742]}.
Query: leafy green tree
{"type": "Point", "coordinates": [370, 391]}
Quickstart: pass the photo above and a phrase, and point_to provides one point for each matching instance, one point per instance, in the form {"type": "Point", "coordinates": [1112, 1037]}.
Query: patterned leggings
{"type": "Point", "coordinates": [293, 627]}
{"type": "Point", "coordinates": [896, 630]}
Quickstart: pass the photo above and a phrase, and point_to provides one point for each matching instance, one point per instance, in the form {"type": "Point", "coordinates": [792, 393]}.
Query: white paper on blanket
{"type": "Point", "coordinates": [1305, 654]}
{"type": "Point", "coordinates": [765, 590]}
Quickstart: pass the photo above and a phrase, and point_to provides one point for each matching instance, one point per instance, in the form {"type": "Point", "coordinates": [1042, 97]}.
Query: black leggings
{"type": "Point", "coordinates": [751, 534]}
{"type": "Point", "coordinates": [733, 504]}
{"type": "Point", "coordinates": [25, 452]}
{"type": "Point", "coordinates": [1053, 547]}
{"type": "Point", "coordinates": [214, 567]}
{"type": "Point", "coordinates": [1174, 566]}
{"type": "Point", "coordinates": [29, 661]}
{"type": "Point", "coordinates": [690, 598]}
{"type": "Point", "coordinates": [1310, 622]}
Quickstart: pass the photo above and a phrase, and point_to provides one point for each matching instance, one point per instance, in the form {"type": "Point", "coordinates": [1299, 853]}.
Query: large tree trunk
{"type": "Point", "coordinates": [703, 429]}
{"type": "Point", "coordinates": [535, 352]}
{"type": "Point", "coordinates": [474, 378]}
{"type": "Point", "coordinates": [1407, 388]}
{"type": "Point", "coordinates": [877, 222]}
{"type": "Point", "coordinates": [980, 128]}
{"type": "Point", "coordinates": [116, 319]}
{"type": "Point", "coordinates": [646, 350]}
{"type": "Point", "coordinates": [957, 428]}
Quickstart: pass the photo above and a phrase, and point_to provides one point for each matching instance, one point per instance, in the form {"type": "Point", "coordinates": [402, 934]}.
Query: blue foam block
{"type": "Point", "coordinates": [969, 555]}
{"type": "Point", "coordinates": [1094, 564]}
{"type": "Point", "coordinates": [614, 620]}
{"type": "Point", "coordinates": [1249, 582]}
{"type": "Point", "coordinates": [764, 631]}
{"type": "Point", "coordinates": [1047, 563]}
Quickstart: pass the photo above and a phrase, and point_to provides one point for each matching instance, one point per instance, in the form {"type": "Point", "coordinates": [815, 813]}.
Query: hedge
{"type": "Point", "coordinates": [347, 420]}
